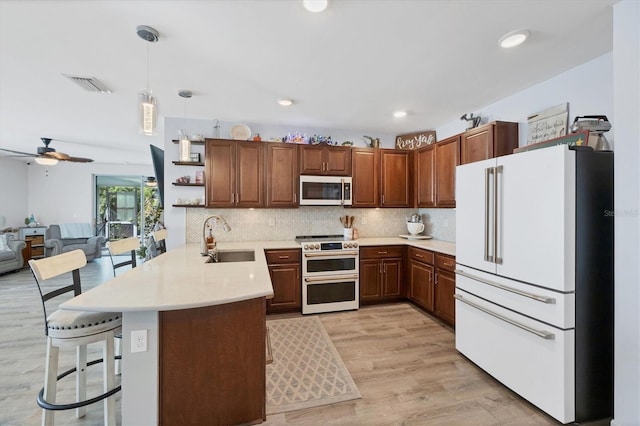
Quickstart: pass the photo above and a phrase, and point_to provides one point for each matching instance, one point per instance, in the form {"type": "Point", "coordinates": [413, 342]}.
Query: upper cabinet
{"type": "Point", "coordinates": [365, 163]}
{"type": "Point", "coordinates": [381, 177]}
{"type": "Point", "coordinates": [435, 173]}
{"type": "Point", "coordinates": [489, 141]}
{"type": "Point", "coordinates": [282, 175]}
{"type": "Point", "coordinates": [395, 167]}
{"type": "Point", "coordinates": [234, 173]}
{"type": "Point", "coordinates": [325, 160]}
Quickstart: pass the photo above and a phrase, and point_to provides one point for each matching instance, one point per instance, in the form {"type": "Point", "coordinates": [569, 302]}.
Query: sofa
{"type": "Point", "coordinates": [10, 253]}
{"type": "Point", "coordinates": [68, 237]}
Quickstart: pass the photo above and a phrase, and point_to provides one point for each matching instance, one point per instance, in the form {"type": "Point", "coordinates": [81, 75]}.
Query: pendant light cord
{"type": "Point", "coordinates": [148, 66]}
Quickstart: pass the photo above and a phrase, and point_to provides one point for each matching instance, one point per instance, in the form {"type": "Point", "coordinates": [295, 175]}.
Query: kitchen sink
{"type": "Point", "coordinates": [225, 256]}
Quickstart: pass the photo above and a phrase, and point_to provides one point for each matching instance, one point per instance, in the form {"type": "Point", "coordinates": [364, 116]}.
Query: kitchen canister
{"type": "Point", "coordinates": [348, 233]}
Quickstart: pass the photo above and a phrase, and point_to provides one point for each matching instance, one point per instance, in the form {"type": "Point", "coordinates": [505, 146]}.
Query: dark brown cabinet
{"type": "Point", "coordinates": [395, 168]}
{"type": "Point", "coordinates": [424, 176]}
{"type": "Point", "coordinates": [284, 269]}
{"type": "Point", "coordinates": [421, 278]}
{"type": "Point", "coordinates": [234, 173]}
{"type": "Point", "coordinates": [435, 177]}
{"type": "Point", "coordinates": [381, 274]}
{"type": "Point", "coordinates": [365, 163]}
{"type": "Point", "coordinates": [325, 160]}
{"type": "Point", "coordinates": [282, 175]}
{"type": "Point", "coordinates": [432, 282]}
{"type": "Point", "coordinates": [445, 288]}
{"type": "Point", "coordinates": [488, 141]}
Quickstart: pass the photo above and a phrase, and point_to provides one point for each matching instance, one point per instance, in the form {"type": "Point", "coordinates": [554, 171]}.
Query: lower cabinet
{"type": "Point", "coordinates": [445, 288]}
{"type": "Point", "coordinates": [284, 269]}
{"type": "Point", "coordinates": [432, 282]}
{"type": "Point", "coordinates": [381, 274]}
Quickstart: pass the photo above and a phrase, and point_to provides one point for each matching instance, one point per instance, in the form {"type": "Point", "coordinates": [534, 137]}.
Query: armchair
{"type": "Point", "coordinates": [10, 253]}
{"type": "Point", "coordinates": [55, 243]}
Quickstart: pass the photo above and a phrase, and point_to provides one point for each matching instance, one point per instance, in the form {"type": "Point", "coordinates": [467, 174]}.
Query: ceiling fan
{"type": "Point", "coordinates": [48, 156]}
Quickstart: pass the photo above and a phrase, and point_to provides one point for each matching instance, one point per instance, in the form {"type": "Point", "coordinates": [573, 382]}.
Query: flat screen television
{"type": "Point", "coordinates": [157, 157]}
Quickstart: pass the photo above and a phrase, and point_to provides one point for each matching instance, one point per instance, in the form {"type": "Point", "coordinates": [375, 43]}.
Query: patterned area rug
{"type": "Point", "coordinates": [307, 371]}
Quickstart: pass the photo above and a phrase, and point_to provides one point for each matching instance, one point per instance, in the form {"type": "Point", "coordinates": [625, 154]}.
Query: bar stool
{"type": "Point", "coordinates": [66, 328]}
{"type": "Point", "coordinates": [159, 238]}
{"type": "Point", "coordinates": [119, 247]}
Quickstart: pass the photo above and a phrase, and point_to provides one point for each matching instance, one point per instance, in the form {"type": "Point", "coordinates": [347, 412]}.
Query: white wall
{"type": "Point", "coordinates": [13, 193]}
{"type": "Point", "coordinates": [588, 89]}
{"type": "Point", "coordinates": [65, 192]}
{"type": "Point", "coordinates": [626, 92]}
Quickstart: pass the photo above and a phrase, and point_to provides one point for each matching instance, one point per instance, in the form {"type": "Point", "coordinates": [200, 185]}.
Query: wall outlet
{"type": "Point", "coordinates": [363, 220]}
{"type": "Point", "coordinates": [272, 221]}
{"type": "Point", "coordinates": [138, 341]}
{"type": "Point", "coordinates": [445, 223]}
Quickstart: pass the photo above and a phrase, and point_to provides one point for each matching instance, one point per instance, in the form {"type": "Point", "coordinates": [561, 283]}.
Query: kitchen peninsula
{"type": "Point", "coordinates": [205, 335]}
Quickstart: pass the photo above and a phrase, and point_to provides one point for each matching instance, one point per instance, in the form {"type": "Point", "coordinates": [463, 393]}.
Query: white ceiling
{"type": "Point", "coordinates": [346, 68]}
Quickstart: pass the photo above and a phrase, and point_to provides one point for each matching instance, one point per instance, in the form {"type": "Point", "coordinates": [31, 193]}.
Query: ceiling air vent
{"type": "Point", "coordinates": [90, 84]}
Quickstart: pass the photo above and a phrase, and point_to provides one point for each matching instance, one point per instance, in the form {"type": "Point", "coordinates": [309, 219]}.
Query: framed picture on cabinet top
{"type": "Point", "coordinates": [416, 140]}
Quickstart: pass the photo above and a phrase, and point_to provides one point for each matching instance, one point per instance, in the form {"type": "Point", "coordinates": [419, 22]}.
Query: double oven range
{"type": "Point", "coordinates": [330, 268]}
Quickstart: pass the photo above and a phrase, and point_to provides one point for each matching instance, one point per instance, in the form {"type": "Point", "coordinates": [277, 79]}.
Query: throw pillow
{"type": "Point", "coordinates": [3, 243]}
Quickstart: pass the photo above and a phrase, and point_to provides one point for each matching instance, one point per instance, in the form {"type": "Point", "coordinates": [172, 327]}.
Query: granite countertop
{"type": "Point", "coordinates": [180, 278]}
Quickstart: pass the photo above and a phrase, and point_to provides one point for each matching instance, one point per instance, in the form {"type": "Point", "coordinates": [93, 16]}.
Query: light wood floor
{"type": "Point", "coordinates": [403, 362]}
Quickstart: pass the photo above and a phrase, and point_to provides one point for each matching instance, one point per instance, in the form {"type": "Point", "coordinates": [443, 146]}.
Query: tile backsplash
{"type": "Point", "coordinates": [285, 224]}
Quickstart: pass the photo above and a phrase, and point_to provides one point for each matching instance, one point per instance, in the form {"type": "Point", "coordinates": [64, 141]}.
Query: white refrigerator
{"type": "Point", "coordinates": [534, 276]}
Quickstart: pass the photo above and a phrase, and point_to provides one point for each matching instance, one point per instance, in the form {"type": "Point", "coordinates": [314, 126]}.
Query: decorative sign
{"type": "Point", "coordinates": [417, 140]}
{"type": "Point", "coordinates": [548, 124]}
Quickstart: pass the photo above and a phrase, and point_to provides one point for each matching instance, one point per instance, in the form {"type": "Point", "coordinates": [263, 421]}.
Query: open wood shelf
{"type": "Point", "coordinates": [200, 206]}
{"type": "Point", "coordinates": [187, 184]}
{"type": "Point", "coordinates": [188, 163]}
{"type": "Point", "coordinates": [192, 142]}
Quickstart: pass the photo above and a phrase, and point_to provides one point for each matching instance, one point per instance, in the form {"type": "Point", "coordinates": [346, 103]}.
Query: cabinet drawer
{"type": "Point", "coordinates": [35, 239]}
{"type": "Point", "coordinates": [282, 256]}
{"type": "Point", "coordinates": [378, 252]}
{"type": "Point", "coordinates": [445, 262]}
{"type": "Point", "coordinates": [37, 251]}
{"type": "Point", "coordinates": [420, 255]}
{"type": "Point", "coordinates": [32, 231]}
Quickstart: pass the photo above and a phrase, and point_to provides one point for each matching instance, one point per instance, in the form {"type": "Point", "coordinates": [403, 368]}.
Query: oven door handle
{"type": "Point", "coordinates": [341, 254]}
{"type": "Point", "coordinates": [331, 278]}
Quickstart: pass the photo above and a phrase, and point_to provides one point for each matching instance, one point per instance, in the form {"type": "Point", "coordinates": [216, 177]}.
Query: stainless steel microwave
{"type": "Point", "coordinates": [325, 190]}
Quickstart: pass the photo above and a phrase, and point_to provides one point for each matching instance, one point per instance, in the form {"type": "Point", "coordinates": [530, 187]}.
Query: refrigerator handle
{"type": "Point", "coordinates": [497, 219]}
{"type": "Point", "coordinates": [487, 173]}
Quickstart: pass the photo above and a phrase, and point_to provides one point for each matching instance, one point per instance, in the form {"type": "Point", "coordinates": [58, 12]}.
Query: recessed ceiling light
{"type": "Point", "coordinates": [513, 39]}
{"type": "Point", "coordinates": [315, 6]}
{"type": "Point", "coordinates": [400, 114]}
{"type": "Point", "coordinates": [285, 102]}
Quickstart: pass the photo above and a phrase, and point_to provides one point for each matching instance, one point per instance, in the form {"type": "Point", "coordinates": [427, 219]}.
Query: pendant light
{"type": "Point", "coordinates": [147, 108]}
{"type": "Point", "coordinates": [185, 143]}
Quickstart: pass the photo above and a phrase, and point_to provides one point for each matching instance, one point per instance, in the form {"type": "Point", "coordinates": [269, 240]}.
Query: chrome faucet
{"type": "Point", "coordinates": [211, 250]}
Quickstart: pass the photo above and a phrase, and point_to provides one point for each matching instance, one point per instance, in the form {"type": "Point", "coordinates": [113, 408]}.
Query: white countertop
{"type": "Point", "coordinates": [180, 279]}
{"type": "Point", "coordinates": [439, 246]}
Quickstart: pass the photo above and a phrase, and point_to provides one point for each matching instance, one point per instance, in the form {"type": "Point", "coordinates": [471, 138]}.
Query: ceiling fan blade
{"type": "Point", "coordinates": [79, 160]}
{"type": "Point", "coordinates": [56, 155]}
{"type": "Point", "coordinates": [26, 154]}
